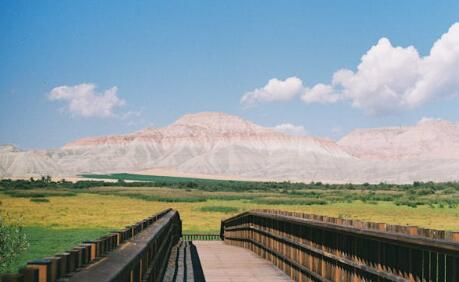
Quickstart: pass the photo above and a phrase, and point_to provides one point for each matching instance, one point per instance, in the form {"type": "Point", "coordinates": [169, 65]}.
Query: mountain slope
{"type": "Point", "coordinates": [15, 162]}
{"type": "Point", "coordinates": [212, 143]}
{"type": "Point", "coordinates": [429, 139]}
{"type": "Point", "coordinates": [223, 145]}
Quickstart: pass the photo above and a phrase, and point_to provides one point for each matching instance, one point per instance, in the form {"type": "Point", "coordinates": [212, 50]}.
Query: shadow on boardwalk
{"type": "Point", "coordinates": [216, 261]}
{"type": "Point", "coordinates": [184, 264]}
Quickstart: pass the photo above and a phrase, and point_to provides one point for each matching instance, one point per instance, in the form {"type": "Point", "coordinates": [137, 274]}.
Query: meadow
{"type": "Point", "coordinates": [59, 215]}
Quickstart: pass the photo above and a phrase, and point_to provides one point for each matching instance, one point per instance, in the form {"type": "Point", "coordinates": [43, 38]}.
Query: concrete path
{"type": "Point", "coordinates": [222, 262]}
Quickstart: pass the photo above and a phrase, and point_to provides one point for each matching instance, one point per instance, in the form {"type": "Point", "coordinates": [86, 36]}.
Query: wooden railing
{"type": "Point", "coordinates": [137, 253]}
{"type": "Point", "coordinates": [201, 237]}
{"type": "Point", "coordinates": [319, 248]}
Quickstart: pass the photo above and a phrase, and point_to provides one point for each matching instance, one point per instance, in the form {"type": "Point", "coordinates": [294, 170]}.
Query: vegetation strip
{"type": "Point", "coordinates": [435, 195]}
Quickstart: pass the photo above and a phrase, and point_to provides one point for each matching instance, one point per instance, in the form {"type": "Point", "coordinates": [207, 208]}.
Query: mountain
{"type": "Point", "coordinates": [218, 144]}
{"type": "Point", "coordinates": [428, 140]}
{"type": "Point", "coordinates": [209, 143]}
{"type": "Point", "coordinates": [16, 162]}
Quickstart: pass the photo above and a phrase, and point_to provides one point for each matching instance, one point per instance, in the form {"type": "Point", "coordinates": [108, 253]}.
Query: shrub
{"type": "Point", "coordinates": [13, 240]}
{"type": "Point", "coordinates": [449, 191]}
{"type": "Point", "coordinates": [39, 200]}
{"type": "Point", "coordinates": [156, 198]}
{"type": "Point", "coordinates": [181, 199]}
{"type": "Point", "coordinates": [219, 209]}
{"type": "Point", "coordinates": [289, 201]}
{"type": "Point", "coordinates": [32, 194]}
{"type": "Point", "coordinates": [425, 191]}
{"type": "Point", "coordinates": [408, 202]}
{"type": "Point", "coordinates": [230, 197]}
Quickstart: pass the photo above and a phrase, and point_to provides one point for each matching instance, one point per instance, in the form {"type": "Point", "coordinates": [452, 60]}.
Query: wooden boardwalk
{"type": "Point", "coordinates": [308, 247]}
{"type": "Point", "coordinates": [222, 262]}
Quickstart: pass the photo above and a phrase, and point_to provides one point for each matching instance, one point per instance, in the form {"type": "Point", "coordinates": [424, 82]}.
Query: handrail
{"type": "Point", "coordinates": [444, 245]}
{"type": "Point", "coordinates": [144, 258]}
{"type": "Point", "coordinates": [147, 234]}
{"type": "Point", "coordinates": [310, 246]}
{"type": "Point", "coordinates": [201, 237]}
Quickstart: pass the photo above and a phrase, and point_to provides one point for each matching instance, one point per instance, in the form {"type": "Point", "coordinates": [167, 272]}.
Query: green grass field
{"type": "Point", "coordinates": [58, 216]}
{"type": "Point", "coordinates": [46, 241]}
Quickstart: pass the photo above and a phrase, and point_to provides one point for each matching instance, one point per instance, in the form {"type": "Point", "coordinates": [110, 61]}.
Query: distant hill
{"type": "Point", "coordinates": [429, 139]}
{"type": "Point", "coordinates": [218, 144]}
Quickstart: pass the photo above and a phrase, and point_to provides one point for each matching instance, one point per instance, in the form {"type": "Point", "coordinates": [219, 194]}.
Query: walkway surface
{"type": "Point", "coordinates": [222, 262]}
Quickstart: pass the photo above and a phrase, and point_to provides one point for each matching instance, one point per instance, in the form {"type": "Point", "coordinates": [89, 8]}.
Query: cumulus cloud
{"type": "Point", "coordinates": [390, 79]}
{"type": "Point", "coordinates": [274, 90]}
{"type": "Point", "coordinates": [291, 129]}
{"type": "Point", "coordinates": [320, 93]}
{"type": "Point", "coordinates": [84, 101]}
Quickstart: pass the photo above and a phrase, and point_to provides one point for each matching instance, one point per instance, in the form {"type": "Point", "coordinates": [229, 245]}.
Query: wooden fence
{"type": "Point", "coordinates": [319, 248]}
{"type": "Point", "coordinates": [201, 237]}
{"type": "Point", "coordinates": [136, 253]}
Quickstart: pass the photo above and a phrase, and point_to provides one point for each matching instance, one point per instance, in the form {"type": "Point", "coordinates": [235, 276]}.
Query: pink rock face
{"type": "Point", "coordinates": [217, 144]}
{"type": "Point", "coordinates": [202, 127]}
{"type": "Point", "coordinates": [210, 129]}
{"type": "Point", "coordinates": [429, 139]}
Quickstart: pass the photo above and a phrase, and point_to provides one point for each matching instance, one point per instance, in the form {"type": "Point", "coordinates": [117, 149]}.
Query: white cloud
{"type": "Point", "coordinates": [83, 100]}
{"type": "Point", "coordinates": [320, 93]}
{"type": "Point", "coordinates": [291, 129]}
{"type": "Point", "coordinates": [390, 79]}
{"type": "Point", "coordinates": [274, 90]}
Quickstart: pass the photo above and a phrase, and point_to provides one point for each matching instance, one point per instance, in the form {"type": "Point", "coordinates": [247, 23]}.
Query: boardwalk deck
{"type": "Point", "coordinates": [305, 246]}
{"type": "Point", "coordinates": [221, 263]}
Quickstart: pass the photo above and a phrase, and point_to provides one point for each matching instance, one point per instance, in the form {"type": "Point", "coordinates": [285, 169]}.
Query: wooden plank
{"type": "Point", "coordinates": [223, 262]}
{"type": "Point", "coordinates": [115, 265]}
{"type": "Point", "coordinates": [309, 247]}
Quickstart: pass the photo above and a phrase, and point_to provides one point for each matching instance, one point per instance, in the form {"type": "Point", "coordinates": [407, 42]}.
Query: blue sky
{"type": "Point", "coordinates": [170, 58]}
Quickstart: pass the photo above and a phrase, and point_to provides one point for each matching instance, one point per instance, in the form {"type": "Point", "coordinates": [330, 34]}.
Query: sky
{"type": "Point", "coordinates": [70, 69]}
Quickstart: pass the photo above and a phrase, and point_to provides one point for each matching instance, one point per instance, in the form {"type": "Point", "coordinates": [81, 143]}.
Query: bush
{"type": "Point", "coordinates": [181, 199]}
{"type": "Point", "coordinates": [289, 201]}
{"type": "Point", "coordinates": [17, 193]}
{"type": "Point", "coordinates": [219, 209]}
{"type": "Point", "coordinates": [155, 198]}
{"type": "Point", "coordinates": [230, 197]}
{"type": "Point", "coordinates": [13, 240]}
{"type": "Point", "coordinates": [425, 191]}
{"type": "Point", "coordinates": [39, 200]}
{"type": "Point", "coordinates": [449, 191]}
{"type": "Point", "coordinates": [408, 202]}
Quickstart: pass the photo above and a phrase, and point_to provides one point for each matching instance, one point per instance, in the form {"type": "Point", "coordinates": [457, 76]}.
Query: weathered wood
{"type": "Point", "coordinates": [12, 277]}
{"type": "Point", "coordinates": [142, 258]}
{"type": "Point", "coordinates": [201, 237]}
{"type": "Point", "coordinates": [318, 248]}
{"type": "Point", "coordinates": [222, 262]}
{"type": "Point", "coordinates": [61, 266]}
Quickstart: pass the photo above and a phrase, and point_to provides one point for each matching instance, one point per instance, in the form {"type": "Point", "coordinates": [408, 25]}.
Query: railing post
{"type": "Point", "coordinates": [30, 274]}
{"type": "Point", "coordinates": [313, 247]}
{"type": "Point", "coordinates": [44, 269]}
